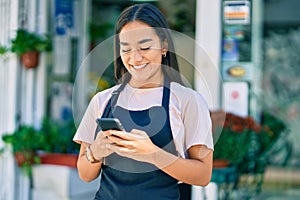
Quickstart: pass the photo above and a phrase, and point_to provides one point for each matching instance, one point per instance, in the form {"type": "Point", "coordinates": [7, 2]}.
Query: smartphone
{"type": "Point", "coordinates": [110, 124]}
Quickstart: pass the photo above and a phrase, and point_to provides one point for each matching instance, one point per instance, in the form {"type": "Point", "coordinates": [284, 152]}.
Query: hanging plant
{"type": "Point", "coordinates": [25, 142]}
{"type": "Point", "coordinates": [28, 45]}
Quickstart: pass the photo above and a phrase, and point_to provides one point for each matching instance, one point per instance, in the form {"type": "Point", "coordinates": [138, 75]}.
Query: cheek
{"type": "Point", "coordinates": [125, 60]}
{"type": "Point", "coordinates": [154, 56]}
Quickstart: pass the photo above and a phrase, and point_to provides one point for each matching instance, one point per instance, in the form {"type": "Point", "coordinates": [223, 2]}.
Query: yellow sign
{"type": "Point", "coordinates": [236, 71]}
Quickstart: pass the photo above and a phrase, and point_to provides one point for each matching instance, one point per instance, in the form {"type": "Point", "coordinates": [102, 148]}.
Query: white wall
{"type": "Point", "coordinates": [22, 91]}
{"type": "Point", "coordinates": [207, 52]}
{"type": "Point", "coordinates": [8, 95]}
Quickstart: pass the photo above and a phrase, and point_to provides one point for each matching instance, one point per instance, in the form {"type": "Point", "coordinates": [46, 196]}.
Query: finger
{"type": "Point", "coordinates": [113, 135]}
{"type": "Point", "coordinates": [114, 139]}
{"type": "Point", "coordinates": [109, 141]}
{"type": "Point", "coordinates": [121, 134]}
{"type": "Point", "coordinates": [127, 143]}
{"type": "Point", "coordinates": [101, 135]}
{"type": "Point", "coordinates": [121, 142]}
{"type": "Point", "coordinates": [107, 133]}
{"type": "Point", "coordinates": [120, 149]}
{"type": "Point", "coordinates": [130, 135]}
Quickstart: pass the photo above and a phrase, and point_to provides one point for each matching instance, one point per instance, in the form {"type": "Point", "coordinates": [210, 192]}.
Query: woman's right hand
{"type": "Point", "coordinates": [99, 146]}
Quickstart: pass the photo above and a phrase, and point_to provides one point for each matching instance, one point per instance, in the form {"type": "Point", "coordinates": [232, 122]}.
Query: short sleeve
{"type": "Point", "coordinates": [87, 126]}
{"type": "Point", "coordinates": [197, 122]}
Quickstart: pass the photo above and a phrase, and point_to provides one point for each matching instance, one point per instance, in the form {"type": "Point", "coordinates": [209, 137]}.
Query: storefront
{"type": "Point", "coordinates": [225, 57]}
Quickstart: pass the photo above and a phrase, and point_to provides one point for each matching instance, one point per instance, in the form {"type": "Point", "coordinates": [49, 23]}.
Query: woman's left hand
{"type": "Point", "coordinates": [135, 144]}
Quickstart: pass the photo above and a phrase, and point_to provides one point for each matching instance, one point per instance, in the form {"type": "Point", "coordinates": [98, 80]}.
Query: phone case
{"type": "Point", "coordinates": [109, 124]}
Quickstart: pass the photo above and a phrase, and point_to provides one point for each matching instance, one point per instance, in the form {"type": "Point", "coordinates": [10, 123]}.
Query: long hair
{"type": "Point", "coordinates": [148, 14]}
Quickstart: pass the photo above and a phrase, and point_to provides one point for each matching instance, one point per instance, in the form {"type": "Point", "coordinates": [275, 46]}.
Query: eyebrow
{"type": "Point", "coordinates": [140, 42]}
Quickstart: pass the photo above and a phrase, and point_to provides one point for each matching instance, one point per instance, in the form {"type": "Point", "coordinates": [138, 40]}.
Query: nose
{"type": "Point", "coordinates": [136, 55]}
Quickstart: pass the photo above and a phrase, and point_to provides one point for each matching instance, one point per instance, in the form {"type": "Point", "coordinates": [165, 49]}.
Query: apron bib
{"type": "Point", "coordinates": [127, 179]}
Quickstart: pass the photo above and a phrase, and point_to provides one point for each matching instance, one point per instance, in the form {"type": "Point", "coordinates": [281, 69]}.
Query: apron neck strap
{"type": "Point", "coordinates": [166, 93]}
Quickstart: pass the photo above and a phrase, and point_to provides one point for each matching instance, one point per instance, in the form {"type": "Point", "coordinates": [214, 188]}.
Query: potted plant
{"type": "Point", "coordinates": [60, 149]}
{"type": "Point", "coordinates": [25, 142]}
{"type": "Point", "coordinates": [28, 45]}
{"type": "Point", "coordinates": [241, 140]}
{"type": "Point", "coordinates": [245, 145]}
{"type": "Point", "coordinates": [52, 144]}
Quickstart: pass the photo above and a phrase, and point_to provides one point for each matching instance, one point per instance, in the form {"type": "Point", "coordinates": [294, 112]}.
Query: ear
{"type": "Point", "coordinates": [164, 44]}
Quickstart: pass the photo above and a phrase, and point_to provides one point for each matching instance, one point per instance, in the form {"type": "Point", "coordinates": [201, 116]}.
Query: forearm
{"type": "Point", "coordinates": [190, 171]}
{"type": "Point", "coordinates": [196, 170]}
{"type": "Point", "coordinates": [87, 171]}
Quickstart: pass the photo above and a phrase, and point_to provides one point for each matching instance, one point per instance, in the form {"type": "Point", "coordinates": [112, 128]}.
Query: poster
{"type": "Point", "coordinates": [236, 98]}
{"type": "Point", "coordinates": [230, 50]}
{"type": "Point", "coordinates": [236, 44]}
{"type": "Point", "coordinates": [64, 16]}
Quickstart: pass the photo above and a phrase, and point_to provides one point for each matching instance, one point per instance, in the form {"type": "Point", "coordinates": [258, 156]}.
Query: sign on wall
{"type": "Point", "coordinates": [236, 12]}
{"type": "Point", "coordinates": [236, 98]}
{"type": "Point", "coordinates": [63, 16]}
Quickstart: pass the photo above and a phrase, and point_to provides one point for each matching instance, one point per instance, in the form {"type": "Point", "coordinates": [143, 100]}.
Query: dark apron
{"type": "Point", "coordinates": [126, 179]}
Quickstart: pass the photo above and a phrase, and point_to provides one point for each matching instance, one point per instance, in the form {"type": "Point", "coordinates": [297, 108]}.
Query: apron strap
{"type": "Point", "coordinates": [166, 94]}
{"type": "Point", "coordinates": [115, 95]}
{"type": "Point", "coordinates": [111, 104]}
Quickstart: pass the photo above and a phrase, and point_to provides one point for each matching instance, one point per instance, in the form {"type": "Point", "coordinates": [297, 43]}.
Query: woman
{"type": "Point", "coordinates": [168, 128]}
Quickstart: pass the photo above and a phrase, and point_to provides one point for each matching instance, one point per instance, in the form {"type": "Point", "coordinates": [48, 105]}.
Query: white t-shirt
{"type": "Point", "coordinates": [189, 115]}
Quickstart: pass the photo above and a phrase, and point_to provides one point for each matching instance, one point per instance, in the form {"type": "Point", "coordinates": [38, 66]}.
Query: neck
{"type": "Point", "coordinates": [144, 85]}
{"type": "Point", "coordinates": [147, 84]}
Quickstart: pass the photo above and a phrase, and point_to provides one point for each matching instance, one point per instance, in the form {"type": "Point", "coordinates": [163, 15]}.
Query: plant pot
{"type": "Point", "coordinates": [220, 163]}
{"type": "Point", "coordinates": [59, 159]}
{"type": "Point", "coordinates": [24, 157]}
{"type": "Point", "coordinates": [30, 59]}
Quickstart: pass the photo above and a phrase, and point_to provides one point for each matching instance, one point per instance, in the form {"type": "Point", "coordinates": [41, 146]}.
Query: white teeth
{"type": "Point", "coordinates": [139, 66]}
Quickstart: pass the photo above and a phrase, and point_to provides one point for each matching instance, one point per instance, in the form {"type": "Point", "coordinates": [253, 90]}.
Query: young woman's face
{"type": "Point", "coordinates": [141, 54]}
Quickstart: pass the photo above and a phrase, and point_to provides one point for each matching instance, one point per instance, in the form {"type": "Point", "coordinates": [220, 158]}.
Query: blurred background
{"type": "Point", "coordinates": [243, 56]}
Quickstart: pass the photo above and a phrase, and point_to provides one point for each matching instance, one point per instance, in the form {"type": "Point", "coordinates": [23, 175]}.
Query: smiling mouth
{"type": "Point", "coordinates": [139, 66]}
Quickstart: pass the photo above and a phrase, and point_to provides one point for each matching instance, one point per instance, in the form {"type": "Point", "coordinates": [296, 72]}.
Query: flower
{"type": "Point", "coordinates": [240, 140]}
